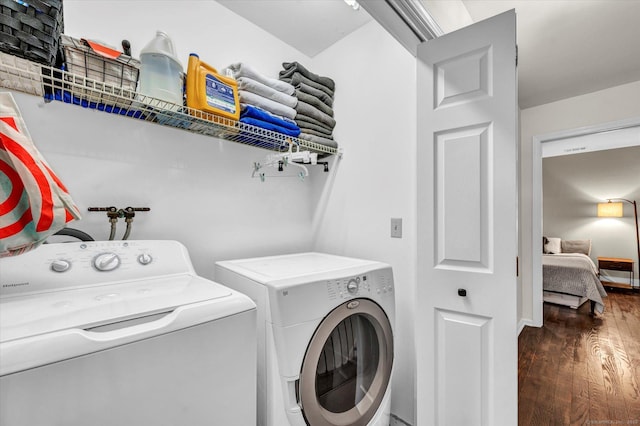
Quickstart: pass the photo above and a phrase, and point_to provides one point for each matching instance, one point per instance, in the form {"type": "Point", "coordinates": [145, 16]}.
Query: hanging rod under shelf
{"type": "Point", "coordinates": [54, 84]}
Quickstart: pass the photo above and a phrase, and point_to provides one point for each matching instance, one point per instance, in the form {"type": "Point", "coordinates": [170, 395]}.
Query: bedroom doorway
{"type": "Point", "coordinates": [619, 134]}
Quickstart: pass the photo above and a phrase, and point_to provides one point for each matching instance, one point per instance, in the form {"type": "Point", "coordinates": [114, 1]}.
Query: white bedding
{"type": "Point", "coordinates": [586, 259]}
{"type": "Point", "coordinates": [573, 273]}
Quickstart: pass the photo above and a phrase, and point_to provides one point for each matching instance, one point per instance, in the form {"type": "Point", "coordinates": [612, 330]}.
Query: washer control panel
{"type": "Point", "coordinates": [106, 261]}
{"type": "Point", "coordinates": [80, 264]}
{"type": "Point", "coordinates": [365, 285]}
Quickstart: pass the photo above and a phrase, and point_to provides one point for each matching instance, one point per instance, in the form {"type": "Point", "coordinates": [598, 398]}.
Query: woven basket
{"type": "Point", "coordinates": [31, 29]}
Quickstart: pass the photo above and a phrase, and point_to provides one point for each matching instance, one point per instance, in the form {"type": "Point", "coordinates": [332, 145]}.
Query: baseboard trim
{"type": "Point", "coordinates": [524, 322]}
{"type": "Point", "coordinates": [397, 421]}
{"type": "Point", "coordinates": [624, 286]}
{"type": "Point", "coordinates": [619, 281]}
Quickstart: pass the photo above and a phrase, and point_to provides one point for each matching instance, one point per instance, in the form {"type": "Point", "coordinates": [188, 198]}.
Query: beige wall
{"type": "Point", "coordinates": [572, 187]}
{"type": "Point", "coordinates": [613, 104]}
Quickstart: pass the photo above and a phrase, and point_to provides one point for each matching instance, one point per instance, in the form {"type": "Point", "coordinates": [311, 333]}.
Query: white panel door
{"type": "Point", "coordinates": [466, 329]}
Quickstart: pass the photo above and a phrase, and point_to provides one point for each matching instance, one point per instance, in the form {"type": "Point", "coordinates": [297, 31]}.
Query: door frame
{"type": "Point", "coordinates": [536, 214]}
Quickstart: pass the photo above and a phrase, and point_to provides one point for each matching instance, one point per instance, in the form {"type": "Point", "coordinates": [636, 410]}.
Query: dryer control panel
{"type": "Point", "coordinates": [365, 285]}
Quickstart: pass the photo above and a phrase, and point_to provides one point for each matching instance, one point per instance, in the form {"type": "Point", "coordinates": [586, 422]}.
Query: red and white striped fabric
{"type": "Point", "coordinates": [34, 204]}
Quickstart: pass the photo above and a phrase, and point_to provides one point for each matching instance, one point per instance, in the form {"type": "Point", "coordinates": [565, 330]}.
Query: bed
{"type": "Point", "coordinates": [571, 279]}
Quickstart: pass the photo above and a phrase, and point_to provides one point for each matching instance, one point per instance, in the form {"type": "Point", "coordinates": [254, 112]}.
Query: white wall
{"type": "Point", "coordinates": [604, 106]}
{"type": "Point", "coordinates": [199, 188]}
{"type": "Point", "coordinates": [218, 35]}
{"type": "Point", "coordinates": [375, 180]}
{"type": "Point", "coordinates": [449, 14]}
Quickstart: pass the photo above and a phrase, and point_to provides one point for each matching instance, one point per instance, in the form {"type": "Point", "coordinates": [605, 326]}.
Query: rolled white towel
{"type": "Point", "coordinates": [254, 86]}
{"type": "Point", "coordinates": [241, 69]}
{"type": "Point", "coordinates": [273, 107]}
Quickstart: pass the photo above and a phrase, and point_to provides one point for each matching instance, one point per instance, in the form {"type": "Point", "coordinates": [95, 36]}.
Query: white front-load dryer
{"type": "Point", "coordinates": [325, 337]}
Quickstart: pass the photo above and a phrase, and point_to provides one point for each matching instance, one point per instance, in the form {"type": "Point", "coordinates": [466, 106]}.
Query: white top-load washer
{"type": "Point", "coordinates": [122, 333]}
{"type": "Point", "coordinates": [325, 337]}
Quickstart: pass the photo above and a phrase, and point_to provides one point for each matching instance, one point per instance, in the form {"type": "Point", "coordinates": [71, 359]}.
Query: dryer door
{"type": "Point", "coordinates": [347, 366]}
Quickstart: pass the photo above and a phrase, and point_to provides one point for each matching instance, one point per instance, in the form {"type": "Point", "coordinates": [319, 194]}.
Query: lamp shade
{"type": "Point", "coordinates": [610, 209]}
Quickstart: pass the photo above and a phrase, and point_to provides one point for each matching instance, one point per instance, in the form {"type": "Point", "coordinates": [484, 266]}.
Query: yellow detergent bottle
{"type": "Point", "coordinates": [211, 92]}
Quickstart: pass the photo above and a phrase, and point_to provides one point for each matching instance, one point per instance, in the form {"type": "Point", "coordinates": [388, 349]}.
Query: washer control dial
{"type": "Point", "coordinates": [60, 265]}
{"type": "Point", "coordinates": [145, 259]}
{"type": "Point", "coordinates": [106, 262]}
{"type": "Point", "coordinates": [352, 286]}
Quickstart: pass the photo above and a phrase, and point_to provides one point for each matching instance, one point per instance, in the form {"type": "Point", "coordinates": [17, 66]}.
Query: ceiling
{"type": "Point", "coordinates": [566, 47]}
{"type": "Point", "coordinates": [307, 25]}
{"type": "Point", "coordinates": [570, 47]}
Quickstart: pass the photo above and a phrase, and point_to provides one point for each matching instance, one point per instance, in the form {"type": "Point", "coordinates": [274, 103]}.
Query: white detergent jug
{"type": "Point", "coordinates": [161, 74]}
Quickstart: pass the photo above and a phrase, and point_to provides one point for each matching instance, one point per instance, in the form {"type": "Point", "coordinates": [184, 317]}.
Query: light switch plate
{"type": "Point", "coordinates": [396, 227]}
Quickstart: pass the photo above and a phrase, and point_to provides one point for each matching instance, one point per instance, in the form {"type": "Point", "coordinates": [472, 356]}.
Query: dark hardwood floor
{"type": "Point", "coordinates": [580, 369]}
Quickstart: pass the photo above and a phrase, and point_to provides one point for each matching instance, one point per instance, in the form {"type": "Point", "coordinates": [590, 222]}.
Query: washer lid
{"type": "Point", "coordinates": [86, 308]}
{"type": "Point", "coordinates": [274, 268]}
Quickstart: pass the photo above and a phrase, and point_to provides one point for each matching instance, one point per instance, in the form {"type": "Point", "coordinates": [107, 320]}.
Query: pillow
{"type": "Point", "coordinates": [576, 246]}
{"type": "Point", "coordinates": [552, 246]}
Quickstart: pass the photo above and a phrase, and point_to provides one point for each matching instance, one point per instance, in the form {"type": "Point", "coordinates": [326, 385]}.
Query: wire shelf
{"type": "Point", "coordinates": [53, 84]}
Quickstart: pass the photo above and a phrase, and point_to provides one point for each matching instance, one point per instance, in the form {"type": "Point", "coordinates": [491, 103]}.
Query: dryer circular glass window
{"type": "Point", "coordinates": [347, 366]}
